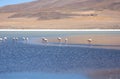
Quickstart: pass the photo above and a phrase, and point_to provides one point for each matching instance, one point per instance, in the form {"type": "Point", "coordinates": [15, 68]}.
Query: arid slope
{"type": "Point", "coordinates": [62, 14]}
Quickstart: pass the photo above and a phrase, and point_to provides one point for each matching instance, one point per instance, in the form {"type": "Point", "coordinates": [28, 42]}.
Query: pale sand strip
{"type": "Point", "coordinates": [112, 40]}
{"type": "Point", "coordinates": [82, 39]}
{"type": "Point", "coordinates": [104, 74]}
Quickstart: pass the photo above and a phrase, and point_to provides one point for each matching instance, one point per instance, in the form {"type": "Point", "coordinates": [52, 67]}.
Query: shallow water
{"type": "Point", "coordinates": [20, 60]}
{"type": "Point", "coordinates": [54, 33]}
{"type": "Point", "coordinates": [21, 57]}
{"type": "Point", "coordinates": [34, 41]}
{"type": "Point", "coordinates": [38, 75]}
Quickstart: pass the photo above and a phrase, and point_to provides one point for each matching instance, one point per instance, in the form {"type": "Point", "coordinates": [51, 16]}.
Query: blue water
{"type": "Point", "coordinates": [54, 33]}
{"type": "Point", "coordinates": [20, 60]}
{"type": "Point", "coordinates": [36, 75]}
{"type": "Point", "coordinates": [20, 57]}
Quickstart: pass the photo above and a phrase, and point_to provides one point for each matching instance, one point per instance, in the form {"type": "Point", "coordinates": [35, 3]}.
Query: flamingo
{"type": "Point", "coordinates": [15, 38]}
{"type": "Point", "coordinates": [5, 38]}
{"type": "Point", "coordinates": [89, 41]}
{"type": "Point", "coordinates": [23, 38]}
{"type": "Point", "coordinates": [66, 40]}
{"type": "Point", "coordinates": [59, 39]}
{"type": "Point", "coordinates": [44, 40]}
{"type": "Point", "coordinates": [1, 39]}
{"type": "Point", "coordinates": [27, 38]}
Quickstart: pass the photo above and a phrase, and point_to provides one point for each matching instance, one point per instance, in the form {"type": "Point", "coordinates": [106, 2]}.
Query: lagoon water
{"type": "Point", "coordinates": [38, 75]}
{"type": "Point", "coordinates": [20, 60]}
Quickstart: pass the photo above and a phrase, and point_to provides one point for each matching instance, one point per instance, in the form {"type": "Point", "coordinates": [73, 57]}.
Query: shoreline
{"type": "Point", "coordinates": [98, 41]}
{"type": "Point", "coordinates": [104, 74]}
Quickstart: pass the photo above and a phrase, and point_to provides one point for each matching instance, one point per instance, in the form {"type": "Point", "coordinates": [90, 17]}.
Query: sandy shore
{"type": "Point", "coordinates": [104, 74]}
{"type": "Point", "coordinates": [113, 41]}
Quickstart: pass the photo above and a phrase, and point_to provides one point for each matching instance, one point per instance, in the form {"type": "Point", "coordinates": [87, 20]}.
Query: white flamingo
{"type": "Point", "coordinates": [44, 40]}
{"type": "Point", "coordinates": [27, 38]}
{"type": "Point", "coordinates": [59, 39]}
{"type": "Point", "coordinates": [23, 38]}
{"type": "Point", "coordinates": [1, 39]}
{"type": "Point", "coordinates": [89, 41]}
{"type": "Point", "coordinates": [15, 38]}
{"type": "Point", "coordinates": [5, 38]}
{"type": "Point", "coordinates": [66, 40]}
